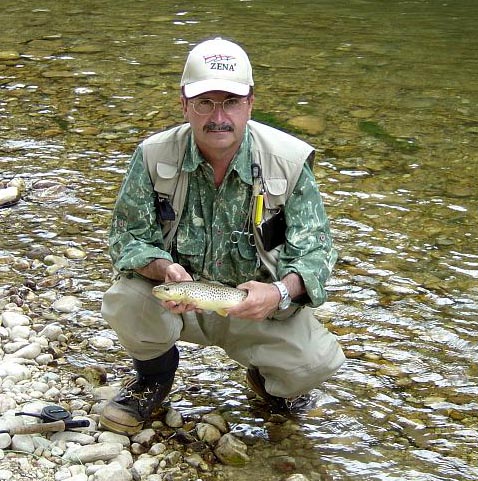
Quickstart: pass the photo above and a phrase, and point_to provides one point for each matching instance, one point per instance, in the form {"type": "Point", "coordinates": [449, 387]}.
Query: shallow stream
{"type": "Point", "coordinates": [387, 92]}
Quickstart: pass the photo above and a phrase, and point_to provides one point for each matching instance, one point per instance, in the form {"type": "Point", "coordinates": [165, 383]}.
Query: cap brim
{"type": "Point", "coordinates": [198, 88]}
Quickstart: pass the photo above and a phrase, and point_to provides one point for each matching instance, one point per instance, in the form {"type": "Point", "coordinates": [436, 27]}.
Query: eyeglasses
{"type": "Point", "coordinates": [230, 106]}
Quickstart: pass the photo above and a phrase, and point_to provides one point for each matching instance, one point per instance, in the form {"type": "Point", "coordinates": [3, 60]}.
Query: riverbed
{"type": "Point", "coordinates": [386, 92]}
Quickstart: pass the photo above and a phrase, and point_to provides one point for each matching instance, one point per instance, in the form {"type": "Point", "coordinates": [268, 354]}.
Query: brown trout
{"type": "Point", "coordinates": [204, 295]}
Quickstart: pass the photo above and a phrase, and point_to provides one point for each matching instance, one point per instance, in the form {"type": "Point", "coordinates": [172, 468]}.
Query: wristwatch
{"type": "Point", "coordinates": [285, 299]}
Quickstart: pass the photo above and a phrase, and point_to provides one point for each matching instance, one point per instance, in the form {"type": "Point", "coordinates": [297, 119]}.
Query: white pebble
{"type": "Point", "coordinates": [13, 318]}
{"type": "Point", "coordinates": [67, 304]}
{"type": "Point", "coordinates": [101, 343]}
{"type": "Point", "coordinates": [51, 332]}
{"type": "Point", "coordinates": [20, 332]}
{"type": "Point", "coordinates": [29, 352]}
{"type": "Point", "coordinates": [15, 370]}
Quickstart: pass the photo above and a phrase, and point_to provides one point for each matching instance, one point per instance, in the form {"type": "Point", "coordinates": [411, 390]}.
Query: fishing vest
{"type": "Point", "coordinates": [280, 156]}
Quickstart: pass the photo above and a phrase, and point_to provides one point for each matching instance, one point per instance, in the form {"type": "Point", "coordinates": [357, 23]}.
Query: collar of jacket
{"type": "Point", "coordinates": [241, 162]}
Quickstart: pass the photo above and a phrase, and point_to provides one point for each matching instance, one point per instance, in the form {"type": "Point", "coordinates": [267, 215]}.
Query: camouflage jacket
{"type": "Point", "coordinates": [203, 242]}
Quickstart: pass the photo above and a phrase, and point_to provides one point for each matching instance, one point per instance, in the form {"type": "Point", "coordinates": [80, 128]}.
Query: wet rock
{"type": "Point", "coordinates": [144, 437]}
{"type": "Point", "coordinates": [231, 451]}
{"type": "Point", "coordinates": [23, 443]}
{"type": "Point", "coordinates": [101, 343]}
{"type": "Point", "coordinates": [9, 55]}
{"type": "Point", "coordinates": [13, 318]}
{"type": "Point", "coordinates": [208, 433]}
{"type": "Point", "coordinates": [216, 420]}
{"type": "Point", "coordinates": [107, 437]}
{"type": "Point", "coordinates": [284, 464]}
{"type": "Point", "coordinates": [7, 402]}
{"type": "Point", "coordinates": [58, 74]}
{"type": "Point", "coordinates": [297, 477]}
{"type": "Point", "coordinates": [112, 473]}
{"type": "Point", "coordinates": [309, 123]}
{"type": "Point", "coordinates": [173, 458]}
{"type": "Point", "coordinates": [197, 462]}
{"type": "Point", "coordinates": [56, 260]}
{"type": "Point", "coordinates": [67, 304]}
{"type": "Point", "coordinates": [92, 453]}
{"type": "Point", "coordinates": [38, 252]}
{"type": "Point", "coordinates": [9, 196]}
{"type": "Point", "coordinates": [72, 437]}
{"type": "Point", "coordinates": [75, 253]}
{"type": "Point", "coordinates": [174, 419]}
{"type": "Point", "coordinates": [144, 466]}
{"type": "Point", "coordinates": [183, 437]}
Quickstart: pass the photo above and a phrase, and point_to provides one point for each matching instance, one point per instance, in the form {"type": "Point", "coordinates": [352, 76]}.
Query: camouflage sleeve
{"type": "Point", "coordinates": [135, 237]}
{"type": "Point", "coordinates": [308, 250]}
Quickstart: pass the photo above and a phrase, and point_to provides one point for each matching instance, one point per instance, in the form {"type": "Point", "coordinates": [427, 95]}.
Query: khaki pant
{"type": "Point", "coordinates": [294, 355]}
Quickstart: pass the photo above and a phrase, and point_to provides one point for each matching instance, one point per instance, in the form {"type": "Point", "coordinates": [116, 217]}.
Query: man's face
{"type": "Point", "coordinates": [219, 131]}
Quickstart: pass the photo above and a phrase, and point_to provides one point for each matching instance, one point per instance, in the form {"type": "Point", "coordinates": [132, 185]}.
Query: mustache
{"type": "Point", "coordinates": [213, 127]}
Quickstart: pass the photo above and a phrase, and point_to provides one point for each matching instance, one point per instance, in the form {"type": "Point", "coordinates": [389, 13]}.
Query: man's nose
{"type": "Point", "coordinates": [218, 114]}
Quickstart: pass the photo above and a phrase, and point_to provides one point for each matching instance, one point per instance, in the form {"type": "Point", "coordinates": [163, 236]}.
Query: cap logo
{"type": "Point", "coordinates": [220, 62]}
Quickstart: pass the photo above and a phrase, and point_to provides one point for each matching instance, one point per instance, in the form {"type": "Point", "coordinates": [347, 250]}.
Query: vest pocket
{"type": "Point", "coordinates": [167, 179]}
{"type": "Point", "coordinates": [276, 193]}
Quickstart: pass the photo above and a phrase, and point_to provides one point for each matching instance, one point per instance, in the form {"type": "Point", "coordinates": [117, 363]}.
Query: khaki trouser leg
{"type": "Point", "coordinates": [144, 328]}
{"type": "Point", "coordinates": [294, 355]}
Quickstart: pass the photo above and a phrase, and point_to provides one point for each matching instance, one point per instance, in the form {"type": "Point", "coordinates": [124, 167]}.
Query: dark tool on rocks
{"type": "Point", "coordinates": [55, 418]}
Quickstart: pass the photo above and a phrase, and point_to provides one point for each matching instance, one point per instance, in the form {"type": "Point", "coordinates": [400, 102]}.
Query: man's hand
{"type": "Point", "coordinates": [167, 271]}
{"type": "Point", "coordinates": [262, 299]}
{"type": "Point", "coordinates": [177, 273]}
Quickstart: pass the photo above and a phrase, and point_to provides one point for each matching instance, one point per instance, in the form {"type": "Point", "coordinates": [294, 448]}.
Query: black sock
{"type": "Point", "coordinates": [160, 369]}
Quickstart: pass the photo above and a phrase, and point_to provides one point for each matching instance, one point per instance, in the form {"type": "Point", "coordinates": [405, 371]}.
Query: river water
{"type": "Point", "coordinates": [387, 92]}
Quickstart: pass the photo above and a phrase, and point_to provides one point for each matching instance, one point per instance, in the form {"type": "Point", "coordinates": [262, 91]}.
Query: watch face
{"type": "Point", "coordinates": [284, 294]}
{"type": "Point", "coordinates": [285, 303]}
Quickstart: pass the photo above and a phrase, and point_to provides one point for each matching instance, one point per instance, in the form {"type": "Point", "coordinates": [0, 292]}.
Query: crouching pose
{"type": "Point", "coordinates": [226, 199]}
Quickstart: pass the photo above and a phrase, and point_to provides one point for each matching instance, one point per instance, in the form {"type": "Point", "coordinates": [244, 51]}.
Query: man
{"type": "Point", "coordinates": [220, 198]}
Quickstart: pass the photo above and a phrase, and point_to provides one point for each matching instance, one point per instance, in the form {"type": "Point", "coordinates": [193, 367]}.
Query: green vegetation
{"type": "Point", "coordinates": [272, 120]}
{"type": "Point", "coordinates": [375, 130]}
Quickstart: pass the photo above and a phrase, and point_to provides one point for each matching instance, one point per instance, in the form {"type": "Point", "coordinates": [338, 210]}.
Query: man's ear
{"type": "Point", "coordinates": [184, 105]}
{"type": "Point", "coordinates": [251, 103]}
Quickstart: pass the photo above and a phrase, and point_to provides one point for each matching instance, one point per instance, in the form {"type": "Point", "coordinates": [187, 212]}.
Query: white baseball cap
{"type": "Point", "coordinates": [217, 65]}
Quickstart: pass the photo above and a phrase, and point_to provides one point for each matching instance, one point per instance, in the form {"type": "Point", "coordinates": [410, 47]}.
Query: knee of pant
{"type": "Point", "coordinates": [138, 317]}
{"type": "Point", "coordinates": [286, 382]}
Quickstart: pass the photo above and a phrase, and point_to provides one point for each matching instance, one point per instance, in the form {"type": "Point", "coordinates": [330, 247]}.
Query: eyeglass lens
{"type": "Point", "coordinates": [206, 106]}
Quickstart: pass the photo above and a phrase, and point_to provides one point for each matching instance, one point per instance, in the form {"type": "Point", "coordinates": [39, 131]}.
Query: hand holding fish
{"type": "Point", "coordinates": [176, 273]}
{"type": "Point", "coordinates": [252, 300]}
{"type": "Point", "coordinates": [262, 299]}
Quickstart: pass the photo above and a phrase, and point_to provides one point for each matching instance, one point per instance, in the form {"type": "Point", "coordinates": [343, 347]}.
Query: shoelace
{"type": "Point", "coordinates": [298, 402]}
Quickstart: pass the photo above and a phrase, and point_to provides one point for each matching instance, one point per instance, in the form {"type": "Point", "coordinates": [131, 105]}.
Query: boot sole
{"type": "Point", "coordinates": [116, 421]}
{"type": "Point", "coordinates": [118, 428]}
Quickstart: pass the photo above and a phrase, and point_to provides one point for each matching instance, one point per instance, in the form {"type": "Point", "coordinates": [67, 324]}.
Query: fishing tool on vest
{"type": "Point", "coordinates": [246, 231]}
{"type": "Point", "coordinates": [272, 229]}
{"type": "Point", "coordinates": [55, 418]}
{"type": "Point", "coordinates": [255, 209]}
{"type": "Point", "coordinates": [257, 193]}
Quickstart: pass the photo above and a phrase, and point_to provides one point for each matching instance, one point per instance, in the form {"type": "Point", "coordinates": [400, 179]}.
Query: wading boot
{"type": "Point", "coordinates": [134, 404]}
{"type": "Point", "coordinates": [294, 405]}
{"type": "Point", "coordinates": [127, 411]}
